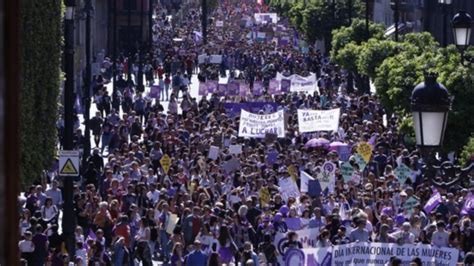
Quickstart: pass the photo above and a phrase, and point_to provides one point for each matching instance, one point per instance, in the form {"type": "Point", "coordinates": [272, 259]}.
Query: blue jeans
{"type": "Point", "coordinates": [165, 248]}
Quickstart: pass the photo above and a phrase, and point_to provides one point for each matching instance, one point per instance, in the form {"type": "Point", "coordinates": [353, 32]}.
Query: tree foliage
{"type": "Point", "coordinates": [355, 33]}
{"type": "Point", "coordinates": [467, 151]}
{"type": "Point", "coordinates": [373, 53]}
{"type": "Point", "coordinates": [396, 68]}
{"type": "Point", "coordinates": [40, 82]}
{"type": "Point", "coordinates": [316, 19]}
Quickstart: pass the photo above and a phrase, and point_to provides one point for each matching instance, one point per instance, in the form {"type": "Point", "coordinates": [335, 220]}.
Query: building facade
{"type": "Point", "coordinates": [420, 15]}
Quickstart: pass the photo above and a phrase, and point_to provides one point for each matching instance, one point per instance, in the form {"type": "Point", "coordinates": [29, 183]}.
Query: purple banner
{"type": "Point", "coordinates": [257, 88]}
{"type": "Point", "coordinates": [274, 87]}
{"type": "Point", "coordinates": [233, 109]}
{"type": "Point", "coordinates": [202, 88]}
{"type": "Point", "coordinates": [244, 88]}
{"type": "Point", "coordinates": [233, 88]}
{"type": "Point", "coordinates": [212, 86]}
{"type": "Point", "coordinates": [221, 90]}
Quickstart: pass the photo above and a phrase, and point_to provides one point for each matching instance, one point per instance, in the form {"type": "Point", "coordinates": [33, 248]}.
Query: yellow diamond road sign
{"type": "Point", "coordinates": [69, 163]}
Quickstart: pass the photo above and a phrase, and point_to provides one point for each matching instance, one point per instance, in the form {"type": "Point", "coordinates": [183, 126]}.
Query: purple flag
{"type": "Point", "coordinates": [154, 91]}
{"type": "Point", "coordinates": [372, 140]}
{"type": "Point", "coordinates": [293, 223]}
{"type": "Point", "coordinates": [433, 202]}
{"type": "Point", "coordinates": [91, 235]}
{"type": "Point", "coordinates": [468, 207]}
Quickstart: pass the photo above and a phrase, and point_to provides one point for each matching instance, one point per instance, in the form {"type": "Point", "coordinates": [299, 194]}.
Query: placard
{"type": "Point", "coordinates": [403, 172]}
{"type": "Point", "coordinates": [256, 126]}
{"type": "Point", "coordinates": [288, 189]}
{"type": "Point", "coordinates": [213, 152]}
{"type": "Point", "coordinates": [365, 150]}
{"type": "Point", "coordinates": [318, 120]}
{"type": "Point", "coordinates": [235, 149]}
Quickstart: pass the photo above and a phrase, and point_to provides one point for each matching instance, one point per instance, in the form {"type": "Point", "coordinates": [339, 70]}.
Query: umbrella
{"type": "Point", "coordinates": [336, 145]}
{"type": "Point", "coordinates": [317, 143]}
{"type": "Point", "coordinates": [342, 149]}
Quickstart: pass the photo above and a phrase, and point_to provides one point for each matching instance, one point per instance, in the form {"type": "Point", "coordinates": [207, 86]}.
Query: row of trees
{"type": "Point", "coordinates": [41, 35]}
{"type": "Point", "coordinates": [316, 19]}
{"type": "Point", "coordinates": [396, 67]}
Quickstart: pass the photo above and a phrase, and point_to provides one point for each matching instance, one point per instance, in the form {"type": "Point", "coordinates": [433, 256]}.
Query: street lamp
{"type": "Point", "coordinates": [462, 27]}
{"type": "Point", "coordinates": [444, 4]}
{"type": "Point", "coordinates": [462, 23]}
{"type": "Point", "coordinates": [430, 104]}
{"type": "Point", "coordinates": [68, 207]}
{"type": "Point", "coordinates": [396, 16]}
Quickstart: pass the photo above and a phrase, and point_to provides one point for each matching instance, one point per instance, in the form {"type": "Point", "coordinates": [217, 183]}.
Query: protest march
{"type": "Point", "coordinates": [245, 150]}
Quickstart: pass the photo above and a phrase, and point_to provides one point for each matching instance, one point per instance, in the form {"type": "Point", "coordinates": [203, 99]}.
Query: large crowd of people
{"type": "Point", "coordinates": [150, 192]}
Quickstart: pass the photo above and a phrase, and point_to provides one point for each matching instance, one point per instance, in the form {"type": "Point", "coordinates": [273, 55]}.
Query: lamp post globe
{"type": "Point", "coordinates": [445, 2]}
{"type": "Point", "coordinates": [462, 26]}
{"type": "Point", "coordinates": [430, 104]}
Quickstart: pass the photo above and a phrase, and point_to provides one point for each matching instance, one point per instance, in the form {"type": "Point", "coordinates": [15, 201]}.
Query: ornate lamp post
{"type": "Point", "coordinates": [430, 104]}
{"type": "Point", "coordinates": [462, 27]}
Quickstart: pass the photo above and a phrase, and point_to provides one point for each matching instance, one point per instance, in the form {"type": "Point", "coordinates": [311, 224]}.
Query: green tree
{"type": "Point", "coordinates": [355, 33]}
{"type": "Point", "coordinates": [373, 53]}
{"type": "Point", "coordinates": [40, 78]}
{"type": "Point", "coordinates": [397, 75]}
{"type": "Point", "coordinates": [353, 36]}
{"type": "Point", "coordinates": [296, 15]}
{"type": "Point", "coordinates": [467, 151]}
{"type": "Point", "coordinates": [459, 81]}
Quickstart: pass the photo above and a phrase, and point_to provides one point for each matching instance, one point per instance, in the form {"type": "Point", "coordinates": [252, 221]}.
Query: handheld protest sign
{"type": "Point", "coordinates": [165, 162]}
{"type": "Point", "coordinates": [365, 150]}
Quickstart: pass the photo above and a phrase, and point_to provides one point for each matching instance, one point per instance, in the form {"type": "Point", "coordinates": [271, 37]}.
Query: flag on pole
{"type": "Point", "coordinates": [305, 178]}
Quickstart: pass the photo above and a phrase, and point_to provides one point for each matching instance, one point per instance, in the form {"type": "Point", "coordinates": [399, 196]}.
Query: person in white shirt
{"type": "Point", "coordinates": [27, 247]}
{"type": "Point", "coordinates": [55, 193]}
{"type": "Point", "coordinates": [153, 195]}
{"type": "Point", "coordinates": [404, 235]}
{"type": "Point", "coordinates": [49, 212]}
{"type": "Point", "coordinates": [440, 237]}
{"type": "Point", "coordinates": [81, 253]}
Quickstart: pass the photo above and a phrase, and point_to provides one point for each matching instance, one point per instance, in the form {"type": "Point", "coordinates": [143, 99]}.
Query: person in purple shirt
{"type": "Point", "coordinates": [40, 240]}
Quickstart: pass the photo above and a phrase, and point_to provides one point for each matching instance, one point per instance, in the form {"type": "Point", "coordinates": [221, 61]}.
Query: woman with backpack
{"type": "Point", "coordinates": [49, 212]}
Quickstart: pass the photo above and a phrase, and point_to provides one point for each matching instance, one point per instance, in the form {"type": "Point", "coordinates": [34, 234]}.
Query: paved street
{"type": "Point", "coordinates": [321, 141]}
